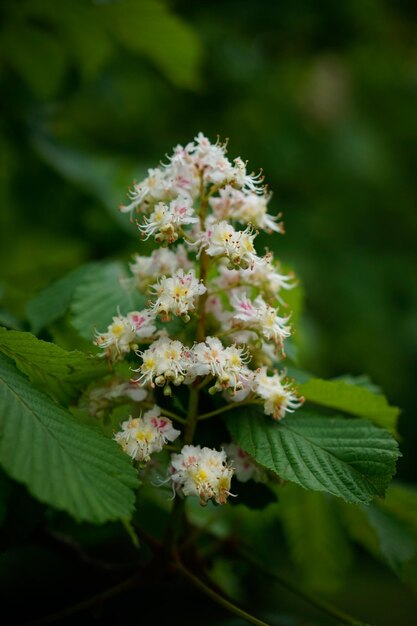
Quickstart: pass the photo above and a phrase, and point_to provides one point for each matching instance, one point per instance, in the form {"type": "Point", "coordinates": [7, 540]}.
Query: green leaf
{"type": "Point", "coordinates": [63, 463]}
{"type": "Point", "coordinates": [52, 303]}
{"type": "Point", "coordinates": [150, 29]}
{"type": "Point", "coordinates": [100, 296]}
{"type": "Point", "coordinates": [353, 399]}
{"type": "Point", "coordinates": [9, 320]}
{"type": "Point", "coordinates": [102, 176]}
{"type": "Point", "coordinates": [48, 365]}
{"type": "Point", "coordinates": [385, 535]}
{"type": "Point", "coordinates": [397, 544]}
{"type": "Point", "coordinates": [299, 376]}
{"type": "Point", "coordinates": [349, 458]}
{"type": "Point", "coordinates": [398, 536]}
{"type": "Point", "coordinates": [322, 553]}
{"type": "Point", "coordinates": [362, 380]}
{"type": "Point", "coordinates": [356, 523]}
{"type": "Point", "coordinates": [36, 55]}
{"type": "Point", "coordinates": [401, 500]}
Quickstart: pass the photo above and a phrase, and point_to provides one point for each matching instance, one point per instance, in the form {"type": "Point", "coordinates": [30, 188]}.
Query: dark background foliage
{"type": "Point", "coordinates": [322, 95]}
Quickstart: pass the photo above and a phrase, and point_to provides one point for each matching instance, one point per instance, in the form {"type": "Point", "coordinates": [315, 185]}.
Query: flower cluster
{"type": "Point", "coordinates": [201, 472]}
{"type": "Point", "coordinates": [177, 294]}
{"type": "Point", "coordinates": [162, 262]}
{"type": "Point", "coordinates": [216, 320]}
{"type": "Point", "coordinates": [198, 163]}
{"type": "Point", "coordinates": [126, 332]}
{"type": "Point", "coordinates": [141, 436]}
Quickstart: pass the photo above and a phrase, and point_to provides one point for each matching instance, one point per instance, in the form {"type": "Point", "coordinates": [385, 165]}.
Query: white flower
{"type": "Point", "coordinates": [153, 189]}
{"type": "Point", "coordinates": [118, 338]}
{"type": "Point", "coordinates": [221, 239]}
{"type": "Point", "coordinates": [218, 170]}
{"type": "Point", "coordinates": [245, 468]}
{"type": "Point", "coordinates": [253, 210]}
{"type": "Point", "coordinates": [265, 276]}
{"type": "Point", "coordinates": [248, 182]}
{"type": "Point", "coordinates": [182, 172]}
{"type": "Point", "coordinates": [258, 315]}
{"type": "Point", "coordinates": [166, 219]}
{"type": "Point", "coordinates": [208, 357]}
{"type": "Point", "coordinates": [224, 205]}
{"type": "Point", "coordinates": [279, 398]}
{"type": "Point", "coordinates": [163, 362]}
{"type": "Point", "coordinates": [198, 160]}
{"type": "Point", "coordinates": [201, 472]}
{"type": "Point", "coordinates": [247, 208]}
{"type": "Point", "coordinates": [142, 323]}
{"type": "Point", "coordinates": [162, 261]}
{"type": "Point", "coordinates": [177, 294]}
{"type": "Point", "coordinates": [262, 274]}
{"type": "Point", "coordinates": [227, 364]}
{"type": "Point", "coordinates": [235, 371]}
{"type": "Point", "coordinates": [211, 160]}
{"type": "Point", "coordinates": [141, 436]}
{"type": "Point", "coordinates": [99, 399]}
{"type": "Point", "coordinates": [125, 331]}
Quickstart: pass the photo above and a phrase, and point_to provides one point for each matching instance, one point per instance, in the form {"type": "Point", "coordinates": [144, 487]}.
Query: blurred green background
{"type": "Point", "coordinates": [320, 94]}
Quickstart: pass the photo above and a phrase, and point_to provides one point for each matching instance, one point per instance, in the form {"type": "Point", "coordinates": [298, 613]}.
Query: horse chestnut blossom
{"type": "Point", "coordinates": [125, 332]}
{"type": "Point", "coordinates": [201, 472]}
{"type": "Point", "coordinates": [141, 436]}
{"type": "Point", "coordinates": [177, 294]}
{"type": "Point", "coordinates": [210, 338]}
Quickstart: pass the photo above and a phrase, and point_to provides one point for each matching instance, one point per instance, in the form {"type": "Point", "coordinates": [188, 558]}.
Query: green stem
{"type": "Point", "coordinates": [192, 415]}
{"type": "Point", "coordinates": [226, 333]}
{"type": "Point", "coordinates": [322, 605]}
{"type": "Point", "coordinates": [175, 525]}
{"type": "Point", "coordinates": [197, 582]}
{"type": "Point", "coordinates": [228, 407]}
{"type": "Point", "coordinates": [205, 381]}
{"type": "Point", "coordinates": [185, 235]}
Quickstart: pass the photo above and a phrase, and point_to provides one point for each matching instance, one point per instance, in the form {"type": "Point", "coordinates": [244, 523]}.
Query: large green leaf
{"type": "Point", "coordinates": [100, 296]}
{"type": "Point", "coordinates": [349, 458]}
{"type": "Point", "coordinates": [150, 29]}
{"type": "Point", "coordinates": [52, 303]}
{"type": "Point", "coordinates": [385, 534]}
{"type": "Point", "coordinates": [322, 554]}
{"type": "Point", "coordinates": [356, 400]}
{"type": "Point", "coordinates": [63, 463]}
{"type": "Point", "coordinates": [394, 521]}
{"type": "Point", "coordinates": [57, 371]}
